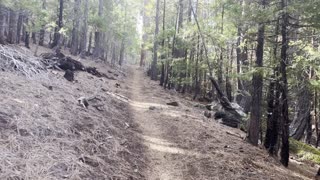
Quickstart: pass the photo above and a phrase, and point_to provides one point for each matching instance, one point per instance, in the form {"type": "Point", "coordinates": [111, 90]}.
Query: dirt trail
{"type": "Point", "coordinates": [158, 148]}
{"type": "Point", "coordinates": [182, 144]}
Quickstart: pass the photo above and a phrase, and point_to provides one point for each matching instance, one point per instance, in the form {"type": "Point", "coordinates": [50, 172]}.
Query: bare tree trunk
{"type": "Point", "coordinates": [220, 62]}
{"type": "Point", "coordinates": [154, 71]}
{"type": "Point", "coordinates": [122, 49]}
{"type": "Point", "coordinates": [19, 27]}
{"type": "Point", "coordinates": [12, 36]}
{"type": "Point", "coordinates": [284, 88]}
{"type": "Point", "coordinates": [162, 74]}
{"type": "Point", "coordinates": [26, 35]}
{"type": "Point", "coordinates": [242, 60]}
{"type": "Point", "coordinates": [270, 100]}
{"type": "Point", "coordinates": [41, 36]}
{"type": "Point", "coordinates": [228, 83]}
{"type": "Point", "coordinates": [97, 34]}
{"type": "Point", "coordinates": [316, 118]}
{"type": "Point", "coordinates": [273, 99]}
{"type": "Point", "coordinates": [163, 57]}
{"type": "Point", "coordinates": [257, 83]}
{"type": "Point", "coordinates": [27, 40]}
{"type": "Point", "coordinates": [107, 50]}
{"type": "Point", "coordinates": [84, 32]}
{"type": "Point", "coordinates": [2, 24]}
{"type": "Point", "coordinates": [276, 116]}
{"type": "Point", "coordinates": [181, 9]}
{"type": "Point", "coordinates": [114, 55]}
{"type": "Point", "coordinates": [57, 35]}
{"type": "Point", "coordinates": [167, 79]}
{"type": "Point", "coordinates": [75, 30]}
{"type": "Point", "coordinates": [300, 123]}
{"type": "Point", "coordinates": [197, 71]}
{"type": "Point", "coordinates": [42, 30]}
{"type": "Point", "coordinates": [90, 43]}
{"type": "Point", "coordinates": [34, 37]}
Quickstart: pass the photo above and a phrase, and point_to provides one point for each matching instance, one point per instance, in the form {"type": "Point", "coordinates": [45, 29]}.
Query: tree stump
{"type": "Point", "coordinates": [69, 75]}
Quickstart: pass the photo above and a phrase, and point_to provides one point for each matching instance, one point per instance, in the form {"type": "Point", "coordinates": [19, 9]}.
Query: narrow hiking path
{"type": "Point", "coordinates": [158, 147]}
{"type": "Point", "coordinates": [182, 144]}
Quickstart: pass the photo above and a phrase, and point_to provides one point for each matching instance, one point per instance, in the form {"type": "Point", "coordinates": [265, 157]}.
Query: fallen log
{"type": "Point", "coordinates": [173, 103]}
{"type": "Point", "coordinates": [235, 135]}
{"type": "Point", "coordinates": [228, 119]}
{"type": "Point", "coordinates": [61, 62]}
{"type": "Point", "coordinates": [225, 103]}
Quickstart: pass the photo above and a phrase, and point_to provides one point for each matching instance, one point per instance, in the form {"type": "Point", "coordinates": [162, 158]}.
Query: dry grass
{"type": "Point", "coordinates": [19, 59]}
{"type": "Point", "coordinates": [45, 134]}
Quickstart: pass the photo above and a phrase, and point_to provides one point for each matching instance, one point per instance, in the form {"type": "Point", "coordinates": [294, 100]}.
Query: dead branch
{"type": "Point", "coordinates": [16, 59]}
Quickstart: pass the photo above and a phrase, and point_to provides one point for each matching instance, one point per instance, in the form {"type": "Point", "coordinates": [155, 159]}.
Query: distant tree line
{"type": "Point", "coordinates": [105, 30]}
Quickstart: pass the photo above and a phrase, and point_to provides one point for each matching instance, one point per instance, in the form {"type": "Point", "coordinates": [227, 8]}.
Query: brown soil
{"type": "Point", "coordinates": [46, 134]}
{"type": "Point", "coordinates": [183, 144]}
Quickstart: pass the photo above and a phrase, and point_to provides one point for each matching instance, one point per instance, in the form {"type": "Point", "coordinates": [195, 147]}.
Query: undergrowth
{"type": "Point", "coordinates": [305, 151]}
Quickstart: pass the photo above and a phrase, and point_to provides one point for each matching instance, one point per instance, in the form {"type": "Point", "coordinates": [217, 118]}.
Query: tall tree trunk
{"type": "Point", "coordinates": [122, 49]}
{"type": "Point", "coordinates": [284, 87]}
{"type": "Point", "coordinates": [180, 21]}
{"type": "Point", "coordinates": [34, 37]}
{"type": "Point", "coordinates": [228, 83]}
{"type": "Point", "coordinates": [239, 56]}
{"type": "Point", "coordinates": [220, 68]}
{"type": "Point", "coordinates": [107, 49]}
{"type": "Point", "coordinates": [57, 35]}
{"type": "Point", "coordinates": [316, 117]}
{"type": "Point", "coordinates": [19, 27]}
{"type": "Point", "coordinates": [27, 40]}
{"type": "Point", "coordinates": [75, 30]}
{"type": "Point", "coordinates": [97, 34]}
{"type": "Point", "coordinates": [164, 56]}
{"type": "Point", "coordinates": [273, 109]}
{"type": "Point", "coordinates": [257, 83]}
{"type": "Point", "coordinates": [2, 24]}
{"type": "Point", "coordinates": [42, 30]}
{"type": "Point", "coordinates": [143, 55]}
{"type": "Point", "coordinates": [12, 36]}
{"type": "Point", "coordinates": [276, 116]}
{"type": "Point", "coordinates": [167, 78]}
{"type": "Point", "coordinates": [27, 35]}
{"type": "Point", "coordinates": [84, 32]}
{"type": "Point", "coordinates": [162, 74]}
{"type": "Point", "coordinates": [154, 71]}
{"type": "Point", "coordinates": [301, 121]}
{"type": "Point", "coordinates": [270, 101]}
{"type": "Point", "coordinates": [197, 80]}
{"type": "Point", "coordinates": [242, 61]}
{"type": "Point", "coordinates": [123, 40]}
{"type": "Point", "coordinates": [114, 55]}
{"type": "Point", "coordinates": [41, 36]}
{"type": "Point", "coordinates": [90, 43]}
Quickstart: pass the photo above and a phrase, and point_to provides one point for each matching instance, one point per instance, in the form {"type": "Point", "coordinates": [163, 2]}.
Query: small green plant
{"type": "Point", "coordinates": [304, 151]}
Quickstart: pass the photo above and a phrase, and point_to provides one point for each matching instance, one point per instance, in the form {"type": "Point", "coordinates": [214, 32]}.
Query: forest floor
{"type": "Point", "coordinates": [183, 145]}
{"type": "Point", "coordinates": [45, 133]}
{"type": "Point", "coordinates": [128, 132]}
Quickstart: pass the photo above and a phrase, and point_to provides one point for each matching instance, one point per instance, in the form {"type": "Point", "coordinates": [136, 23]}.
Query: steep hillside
{"type": "Point", "coordinates": [46, 134]}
